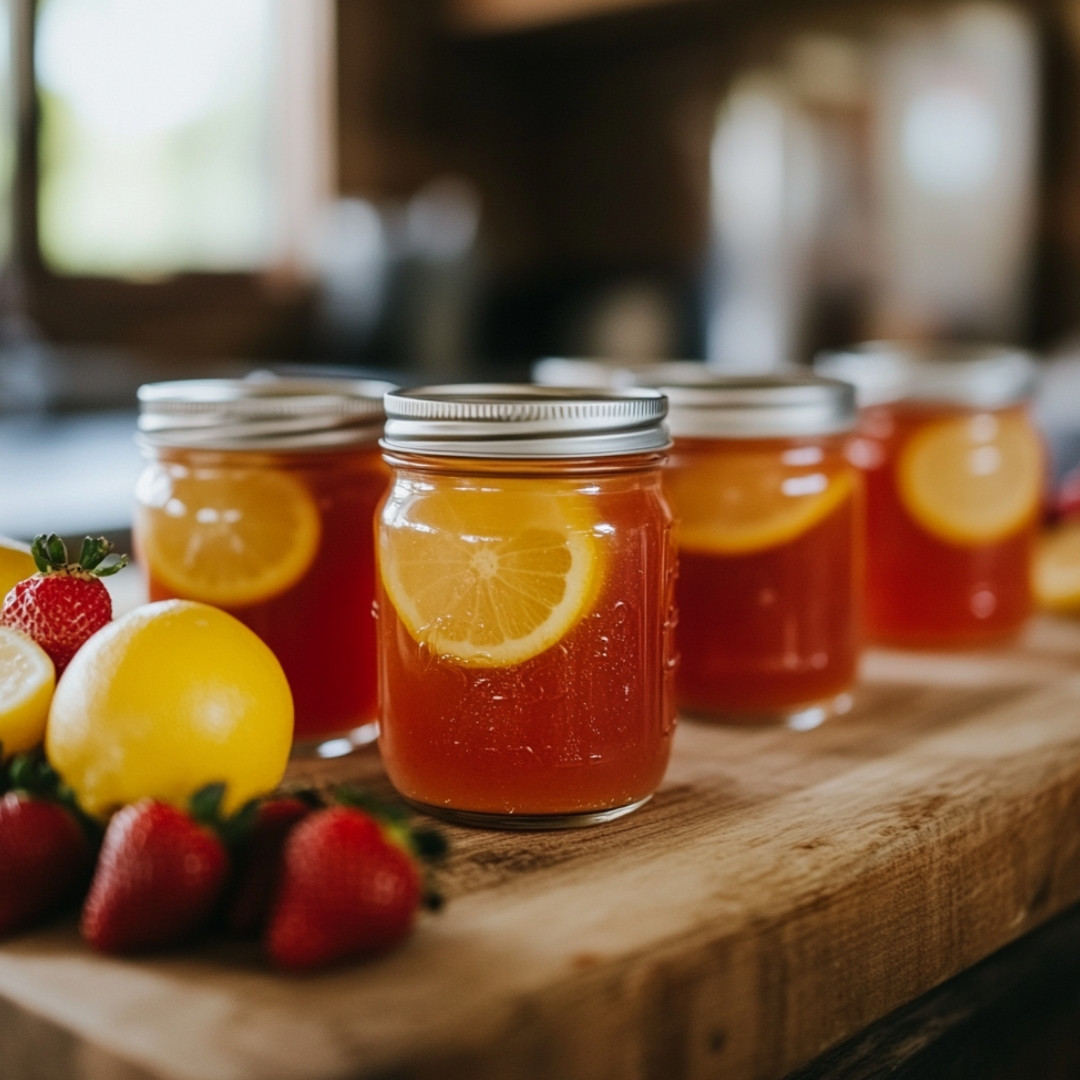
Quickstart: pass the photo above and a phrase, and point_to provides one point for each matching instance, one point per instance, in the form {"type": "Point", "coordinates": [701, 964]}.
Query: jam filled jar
{"type": "Point", "coordinates": [525, 598]}
{"type": "Point", "coordinates": [769, 532]}
{"type": "Point", "coordinates": [955, 477]}
{"type": "Point", "coordinates": [258, 497]}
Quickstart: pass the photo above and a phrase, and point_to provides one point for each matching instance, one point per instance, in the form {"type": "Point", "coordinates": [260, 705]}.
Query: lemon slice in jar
{"type": "Point", "coordinates": [490, 575]}
{"type": "Point", "coordinates": [972, 480]}
{"type": "Point", "coordinates": [737, 504]}
{"type": "Point", "coordinates": [231, 537]}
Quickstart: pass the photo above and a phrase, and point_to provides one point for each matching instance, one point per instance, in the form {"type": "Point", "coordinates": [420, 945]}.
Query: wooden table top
{"type": "Point", "coordinates": [780, 892]}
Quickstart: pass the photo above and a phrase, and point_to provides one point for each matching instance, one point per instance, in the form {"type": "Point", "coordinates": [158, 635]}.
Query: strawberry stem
{"type": "Point", "coordinates": [51, 556]}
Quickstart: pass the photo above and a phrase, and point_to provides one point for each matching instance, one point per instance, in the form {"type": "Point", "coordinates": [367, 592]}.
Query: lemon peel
{"type": "Point", "coordinates": [165, 700]}
{"type": "Point", "coordinates": [16, 564]}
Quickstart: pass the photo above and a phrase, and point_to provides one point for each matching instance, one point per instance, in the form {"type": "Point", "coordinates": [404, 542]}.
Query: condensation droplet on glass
{"type": "Point", "coordinates": [866, 454]}
{"type": "Point", "coordinates": [803, 455]}
{"type": "Point", "coordinates": [984, 461]}
{"type": "Point", "coordinates": [984, 427]}
{"type": "Point", "coordinates": [983, 603]}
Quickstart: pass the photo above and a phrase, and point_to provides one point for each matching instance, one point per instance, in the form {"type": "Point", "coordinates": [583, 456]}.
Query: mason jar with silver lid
{"type": "Point", "coordinates": [972, 375]}
{"type": "Point", "coordinates": [525, 603]}
{"type": "Point", "coordinates": [258, 496]}
{"type": "Point", "coordinates": [768, 524]}
{"type": "Point", "coordinates": [955, 474]}
{"type": "Point", "coordinates": [608, 371]}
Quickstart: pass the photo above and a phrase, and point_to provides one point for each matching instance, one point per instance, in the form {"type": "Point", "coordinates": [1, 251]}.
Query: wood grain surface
{"type": "Point", "coordinates": [781, 892]}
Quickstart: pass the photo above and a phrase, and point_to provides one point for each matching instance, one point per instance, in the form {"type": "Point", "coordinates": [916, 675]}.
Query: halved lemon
{"type": "Point", "coordinates": [972, 480]}
{"type": "Point", "coordinates": [226, 537]}
{"type": "Point", "coordinates": [1056, 572]}
{"type": "Point", "coordinates": [16, 563]}
{"type": "Point", "coordinates": [27, 680]}
{"type": "Point", "coordinates": [740, 503]}
{"type": "Point", "coordinates": [490, 575]}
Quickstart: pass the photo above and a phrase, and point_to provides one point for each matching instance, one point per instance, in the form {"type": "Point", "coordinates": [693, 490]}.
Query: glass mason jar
{"type": "Point", "coordinates": [525, 603]}
{"type": "Point", "coordinates": [258, 496]}
{"type": "Point", "coordinates": [769, 531]}
{"type": "Point", "coordinates": [955, 474]}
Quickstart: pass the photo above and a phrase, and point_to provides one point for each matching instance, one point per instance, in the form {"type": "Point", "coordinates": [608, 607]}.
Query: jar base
{"type": "Point", "coordinates": [339, 744]}
{"type": "Point", "coordinates": [478, 819]}
{"type": "Point", "coordinates": [798, 717]}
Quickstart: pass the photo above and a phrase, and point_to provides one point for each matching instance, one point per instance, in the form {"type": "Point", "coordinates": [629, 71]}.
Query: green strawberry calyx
{"type": "Point", "coordinates": [32, 774]}
{"type": "Point", "coordinates": [206, 808]}
{"type": "Point", "coordinates": [51, 557]}
{"type": "Point", "coordinates": [425, 844]}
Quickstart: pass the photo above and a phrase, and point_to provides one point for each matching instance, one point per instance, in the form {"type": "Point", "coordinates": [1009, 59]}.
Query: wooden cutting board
{"type": "Point", "coordinates": [781, 891]}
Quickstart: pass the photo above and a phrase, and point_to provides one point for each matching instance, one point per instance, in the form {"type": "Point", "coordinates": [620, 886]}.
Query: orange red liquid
{"type": "Point", "coordinates": [321, 629]}
{"type": "Point", "coordinates": [584, 726]}
{"type": "Point", "coordinates": [764, 633]}
{"type": "Point", "coordinates": [923, 591]}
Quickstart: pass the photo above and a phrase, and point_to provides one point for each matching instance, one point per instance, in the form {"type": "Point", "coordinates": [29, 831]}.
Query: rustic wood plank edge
{"type": "Point", "coordinates": [783, 891]}
{"type": "Point", "coordinates": [1014, 1015]}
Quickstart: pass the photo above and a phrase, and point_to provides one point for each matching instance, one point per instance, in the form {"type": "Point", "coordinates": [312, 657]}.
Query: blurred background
{"type": "Point", "coordinates": [451, 189]}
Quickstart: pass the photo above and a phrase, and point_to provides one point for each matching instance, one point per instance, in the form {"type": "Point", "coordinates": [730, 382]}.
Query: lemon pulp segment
{"type": "Point", "coordinates": [972, 479]}
{"type": "Point", "coordinates": [1056, 573]}
{"type": "Point", "coordinates": [228, 537]}
{"type": "Point", "coordinates": [490, 576]}
{"type": "Point", "coordinates": [27, 679]}
{"type": "Point", "coordinates": [740, 503]}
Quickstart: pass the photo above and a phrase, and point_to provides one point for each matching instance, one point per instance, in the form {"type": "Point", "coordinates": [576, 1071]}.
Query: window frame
{"type": "Point", "coordinates": [242, 314]}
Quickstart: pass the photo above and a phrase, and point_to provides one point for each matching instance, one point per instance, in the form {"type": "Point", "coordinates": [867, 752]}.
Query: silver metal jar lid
{"type": "Point", "coordinates": [757, 406]}
{"type": "Point", "coordinates": [261, 412]}
{"type": "Point", "coordinates": [974, 375]}
{"type": "Point", "coordinates": [509, 420]}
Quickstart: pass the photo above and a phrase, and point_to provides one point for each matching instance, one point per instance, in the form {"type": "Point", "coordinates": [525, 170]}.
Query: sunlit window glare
{"type": "Point", "coordinates": [951, 139]}
{"type": "Point", "coordinates": [155, 134]}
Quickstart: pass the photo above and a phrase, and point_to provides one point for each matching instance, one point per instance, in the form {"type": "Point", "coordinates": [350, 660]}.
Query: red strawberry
{"type": "Point", "coordinates": [258, 865]}
{"type": "Point", "coordinates": [45, 859]}
{"type": "Point", "coordinates": [345, 891]}
{"type": "Point", "coordinates": [158, 877]}
{"type": "Point", "coordinates": [65, 603]}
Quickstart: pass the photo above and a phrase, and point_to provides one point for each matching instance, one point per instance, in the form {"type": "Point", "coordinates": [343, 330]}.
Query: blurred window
{"type": "Point", "coordinates": [180, 160]}
{"type": "Point", "coordinates": [155, 134]}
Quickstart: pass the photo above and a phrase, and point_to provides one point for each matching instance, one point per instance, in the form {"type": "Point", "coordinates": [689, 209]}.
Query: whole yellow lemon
{"type": "Point", "coordinates": [16, 563]}
{"type": "Point", "coordinates": [170, 697]}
